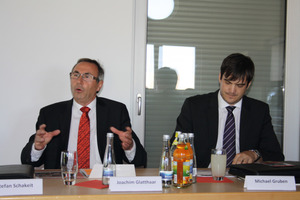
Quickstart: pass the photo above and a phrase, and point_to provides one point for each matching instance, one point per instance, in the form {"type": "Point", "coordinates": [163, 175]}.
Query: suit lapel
{"type": "Point", "coordinates": [213, 119]}
{"type": "Point", "coordinates": [244, 126]}
{"type": "Point", "coordinates": [101, 112]}
{"type": "Point", "coordinates": [65, 121]}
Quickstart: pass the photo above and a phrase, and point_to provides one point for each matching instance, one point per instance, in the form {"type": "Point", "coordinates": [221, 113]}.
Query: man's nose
{"type": "Point", "coordinates": [232, 88]}
{"type": "Point", "coordinates": [80, 78]}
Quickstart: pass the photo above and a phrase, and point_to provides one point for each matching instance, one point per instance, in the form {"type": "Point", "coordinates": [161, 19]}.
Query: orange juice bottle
{"type": "Point", "coordinates": [181, 164]}
{"type": "Point", "coordinates": [174, 144]}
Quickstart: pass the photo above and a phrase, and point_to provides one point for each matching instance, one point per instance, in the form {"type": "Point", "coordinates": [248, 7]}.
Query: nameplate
{"type": "Point", "coordinates": [138, 183]}
{"type": "Point", "coordinates": [15, 187]}
{"type": "Point", "coordinates": [270, 183]}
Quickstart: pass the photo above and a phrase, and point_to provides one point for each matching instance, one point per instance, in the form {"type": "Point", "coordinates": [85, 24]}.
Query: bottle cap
{"type": "Point", "coordinates": [109, 135]}
{"type": "Point", "coordinates": [191, 134]}
{"type": "Point", "coordinates": [181, 136]}
{"type": "Point", "coordinates": [166, 137]}
{"type": "Point", "coordinates": [178, 132]}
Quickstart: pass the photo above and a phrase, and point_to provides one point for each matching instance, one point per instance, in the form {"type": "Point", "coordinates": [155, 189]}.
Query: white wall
{"type": "Point", "coordinates": [40, 41]}
{"type": "Point", "coordinates": [291, 135]}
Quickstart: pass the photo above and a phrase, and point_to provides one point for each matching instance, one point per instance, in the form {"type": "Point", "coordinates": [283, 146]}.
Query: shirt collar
{"type": "Point", "coordinates": [224, 104]}
{"type": "Point", "coordinates": [92, 105]}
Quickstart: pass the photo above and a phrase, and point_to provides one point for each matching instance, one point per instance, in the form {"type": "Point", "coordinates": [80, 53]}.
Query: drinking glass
{"type": "Point", "coordinates": [69, 167]}
{"type": "Point", "coordinates": [218, 164]}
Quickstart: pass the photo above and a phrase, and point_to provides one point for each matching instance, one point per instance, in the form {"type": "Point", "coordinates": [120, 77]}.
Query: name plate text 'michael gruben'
{"type": "Point", "coordinates": [139, 183]}
{"type": "Point", "coordinates": [9, 187]}
{"type": "Point", "coordinates": [270, 183]}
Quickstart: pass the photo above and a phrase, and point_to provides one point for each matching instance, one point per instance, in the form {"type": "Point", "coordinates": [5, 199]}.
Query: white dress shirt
{"type": "Point", "coordinates": [75, 120]}
{"type": "Point", "coordinates": [72, 145]}
{"type": "Point", "coordinates": [222, 119]}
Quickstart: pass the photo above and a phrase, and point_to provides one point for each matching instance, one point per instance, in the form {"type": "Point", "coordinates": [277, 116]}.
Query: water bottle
{"type": "Point", "coordinates": [165, 168]}
{"type": "Point", "coordinates": [109, 163]}
{"type": "Point", "coordinates": [191, 139]}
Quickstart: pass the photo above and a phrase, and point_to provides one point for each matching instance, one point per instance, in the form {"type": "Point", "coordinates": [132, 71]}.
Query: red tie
{"type": "Point", "coordinates": [83, 141]}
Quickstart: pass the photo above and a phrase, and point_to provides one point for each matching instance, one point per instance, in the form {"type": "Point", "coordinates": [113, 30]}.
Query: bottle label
{"type": "Point", "coordinates": [185, 178]}
{"type": "Point", "coordinates": [175, 142]}
{"type": "Point", "coordinates": [108, 173]}
{"type": "Point", "coordinates": [166, 175]}
{"type": "Point", "coordinates": [186, 172]}
{"type": "Point", "coordinates": [175, 171]}
{"type": "Point", "coordinates": [191, 170]}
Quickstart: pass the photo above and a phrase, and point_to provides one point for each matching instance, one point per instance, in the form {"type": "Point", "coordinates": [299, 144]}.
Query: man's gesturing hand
{"type": "Point", "coordinates": [42, 137]}
{"type": "Point", "coordinates": [125, 137]}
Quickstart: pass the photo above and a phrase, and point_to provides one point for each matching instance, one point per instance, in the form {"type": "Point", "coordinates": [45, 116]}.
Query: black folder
{"type": "Point", "coordinates": [16, 171]}
{"type": "Point", "coordinates": [287, 168]}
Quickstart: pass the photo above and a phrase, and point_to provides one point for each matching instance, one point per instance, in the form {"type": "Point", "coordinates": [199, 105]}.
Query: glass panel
{"type": "Point", "coordinates": [176, 57]}
{"type": "Point", "coordinates": [185, 51]}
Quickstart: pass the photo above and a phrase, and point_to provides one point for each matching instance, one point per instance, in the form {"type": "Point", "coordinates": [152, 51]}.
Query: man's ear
{"type": "Point", "coordinates": [220, 77]}
{"type": "Point", "coordinates": [100, 84]}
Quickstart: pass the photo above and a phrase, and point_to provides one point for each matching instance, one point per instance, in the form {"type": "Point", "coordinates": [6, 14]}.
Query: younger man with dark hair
{"type": "Point", "coordinates": [228, 119]}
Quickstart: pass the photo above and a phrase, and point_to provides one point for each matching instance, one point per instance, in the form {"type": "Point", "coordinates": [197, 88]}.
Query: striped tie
{"type": "Point", "coordinates": [83, 141]}
{"type": "Point", "coordinates": [229, 135]}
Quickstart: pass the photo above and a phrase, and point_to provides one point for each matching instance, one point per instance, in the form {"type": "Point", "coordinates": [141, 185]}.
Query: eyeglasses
{"type": "Point", "coordinates": [86, 76]}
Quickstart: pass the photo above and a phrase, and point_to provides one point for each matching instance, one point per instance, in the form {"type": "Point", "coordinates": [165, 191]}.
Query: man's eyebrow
{"type": "Point", "coordinates": [83, 73]}
{"type": "Point", "coordinates": [243, 83]}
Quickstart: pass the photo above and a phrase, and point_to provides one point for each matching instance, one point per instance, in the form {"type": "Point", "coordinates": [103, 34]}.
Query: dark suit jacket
{"type": "Point", "coordinates": [58, 116]}
{"type": "Point", "coordinates": [200, 115]}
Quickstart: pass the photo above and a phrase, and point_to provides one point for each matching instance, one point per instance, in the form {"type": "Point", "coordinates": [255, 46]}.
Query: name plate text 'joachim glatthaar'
{"type": "Point", "coordinates": [138, 183]}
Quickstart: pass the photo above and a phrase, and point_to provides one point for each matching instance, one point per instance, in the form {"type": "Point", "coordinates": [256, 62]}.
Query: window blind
{"type": "Point", "coordinates": [216, 28]}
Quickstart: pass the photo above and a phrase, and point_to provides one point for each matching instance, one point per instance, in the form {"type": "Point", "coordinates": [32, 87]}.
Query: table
{"type": "Point", "coordinates": [54, 189]}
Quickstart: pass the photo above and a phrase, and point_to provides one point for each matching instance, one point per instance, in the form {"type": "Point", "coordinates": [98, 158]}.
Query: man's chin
{"type": "Point", "coordinates": [231, 101]}
{"type": "Point", "coordinates": [78, 98]}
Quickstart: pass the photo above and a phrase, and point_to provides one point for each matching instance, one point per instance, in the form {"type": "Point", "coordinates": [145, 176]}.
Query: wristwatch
{"type": "Point", "coordinates": [257, 153]}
